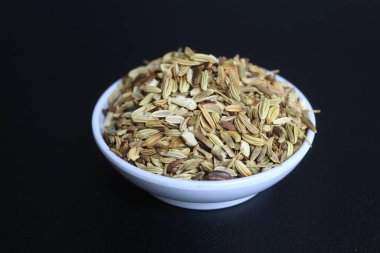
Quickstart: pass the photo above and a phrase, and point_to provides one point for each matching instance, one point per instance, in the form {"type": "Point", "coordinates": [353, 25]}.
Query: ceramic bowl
{"type": "Point", "coordinates": [201, 195]}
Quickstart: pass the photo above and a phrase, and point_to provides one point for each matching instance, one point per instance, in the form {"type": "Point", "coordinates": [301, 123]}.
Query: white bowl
{"type": "Point", "coordinates": [202, 195]}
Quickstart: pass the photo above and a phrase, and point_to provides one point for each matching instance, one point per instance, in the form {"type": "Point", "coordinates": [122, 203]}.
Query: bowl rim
{"type": "Point", "coordinates": [177, 183]}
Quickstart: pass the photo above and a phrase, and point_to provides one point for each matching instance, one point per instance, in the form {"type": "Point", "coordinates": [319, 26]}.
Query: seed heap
{"type": "Point", "coordinates": [193, 116]}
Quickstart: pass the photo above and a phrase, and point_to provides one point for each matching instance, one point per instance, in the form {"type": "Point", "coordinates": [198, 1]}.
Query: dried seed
{"type": "Point", "coordinates": [161, 113]}
{"type": "Point", "coordinates": [189, 52]}
{"type": "Point", "coordinates": [188, 103]}
{"type": "Point", "coordinates": [148, 152]}
{"type": "Point", "coordinates": [177, 142]}
{"type": "Point", "coordinates": [174, 119]}
{"type": "Point", "coordinates": [254, 140]}
{"type": "Point", "coordinates": [146, 133]}
{"type": "Point", "coordinates": [214, 107]}
{"type": "Point", "coordinates": [190, 164]}
{"type": "Point", "coordinates": [290, 149]}
{"type": "Point", "coordinates": [229, 125]}
{"type": "Point", "coordinates": [184, 86]}
{"type": "Point", "coordinates": [255, 153]}
{"type": "Point", "coordinates": [199, 95]}
{"type": "Point", "coordinates": [234, 84]}
{"type": "Point", "coordinates": [174, 153]}
{"type": "Point", "coordinates": [134, 153]}
{"type": "Point", "coordinates": [201, 137]}
{"type": "Point", "coordinates": [218, 153]}
{"type": "Point", "coordinates": [204, 80]}
{"type": "Point", "coordinates": [234, 108]}
{"type": "Point", "coordinates": [117, 152]}
{"type": "Point", "coordinates": [198, 176]}
{"type": "Point", "coordinates": [218, 175]}
{"type": "Point", "coordinates": [270, 152]}
{"type": "Point", "coordinates": [244, 148]}
{"type": "Point", "coordinates": [155, 170]}
{"type": "Point", "coordinates": [207, 116]}
{"type": "Point", "coordinates": [292, 135]}
{"type": "Point", "coordinates": [151, 89]}
{"type": "Point", "coordinates": [189, 76]}
{"type": "Point", "coordinates": [263, 108]}
{"type": "Point", "coordinates": [215, 139]}
{"type": "Point", "coordinates": [281, 121]}
{"type": "Point", "coordinates": [167, 160]}
{"type": "Point", "coordinates": [204, 58]}
{"type": "Point", "coordinates": [262, 154]}
{"type": "Point", "coordinates": [229, 151]}
{"type": "Point", "coordinates": [150, 142]}
{"type": "Point", "coordinates": [272, 114]}
{"type": "Point", "coordinates": [167, 87]}
{"type": "Point", "coordinates": [240, 127]}
{"type": "Point", "coordinates": [224, 169]}
{"type": "Point", "coordinates": [235, 135]}
{"type": "Point", "coordinates": [242, 168]}
{"type": "Point", "coordinates": [248, 125]}
{"type": "Point", "coordinates": [227, 139]}
{"type": "Point", "coordinates": [186, 62]}
{"type": "Point", "coordinates": [189, 138]}
{"type": "Point", "coordinates": [207, 166]}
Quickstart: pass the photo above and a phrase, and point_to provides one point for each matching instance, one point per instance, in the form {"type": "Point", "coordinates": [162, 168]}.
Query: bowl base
{"type": "Point", "coordinates": [204, 206]}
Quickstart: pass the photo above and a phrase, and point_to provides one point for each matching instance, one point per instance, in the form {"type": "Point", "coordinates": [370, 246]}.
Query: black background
{"type": "Point", "coordinates": [60, 194]}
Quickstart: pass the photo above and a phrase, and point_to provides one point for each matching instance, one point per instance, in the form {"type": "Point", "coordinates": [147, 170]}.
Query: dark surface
{"type": "Point", "coordinates": [60, 194]}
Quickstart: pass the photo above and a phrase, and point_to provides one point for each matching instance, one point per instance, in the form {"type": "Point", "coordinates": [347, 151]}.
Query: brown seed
{"type": "Point", "coordinates": [218, 175]}
{"type": "Point", "coordinates": [229, 125]}
{"type": "Point", "coordinates": [173, 165]}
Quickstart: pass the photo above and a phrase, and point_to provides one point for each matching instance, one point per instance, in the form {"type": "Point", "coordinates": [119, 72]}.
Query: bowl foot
{"type": "Point", "coordinates": [203, 206]}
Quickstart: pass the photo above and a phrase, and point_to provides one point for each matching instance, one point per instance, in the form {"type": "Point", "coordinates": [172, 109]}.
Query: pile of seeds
{"type": "Point", "coordinates": [193, 116]}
